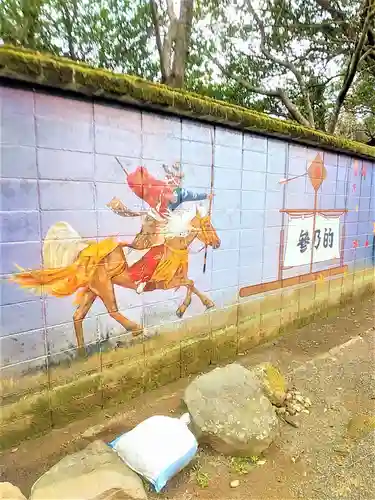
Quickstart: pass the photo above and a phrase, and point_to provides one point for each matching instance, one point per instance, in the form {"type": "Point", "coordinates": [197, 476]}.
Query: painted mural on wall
{"type": "Point", "coordinates": [110, 249]}
{"type": "Point", "coordinates": [157, 258]}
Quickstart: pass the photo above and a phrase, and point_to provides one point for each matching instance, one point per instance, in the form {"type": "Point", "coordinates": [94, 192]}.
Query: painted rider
{"type": "Point", "coordinates": [163, 197]}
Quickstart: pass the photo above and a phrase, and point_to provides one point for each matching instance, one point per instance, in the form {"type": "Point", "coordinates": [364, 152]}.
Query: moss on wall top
{"type": "Point", "coordinates": [64, 74]}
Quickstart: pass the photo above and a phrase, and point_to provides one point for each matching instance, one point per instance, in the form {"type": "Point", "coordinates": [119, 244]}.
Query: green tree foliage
{"type": "Point", "coordinates": [21, 23]}
{"type": "Point", "coordinates": [358, 120]}
{"type": "Point", "coordinates": [114, 34]}
{"type": "Point", "coordinates": [306, 60]}
{"type": "Point", "coordinates": [302, 55]}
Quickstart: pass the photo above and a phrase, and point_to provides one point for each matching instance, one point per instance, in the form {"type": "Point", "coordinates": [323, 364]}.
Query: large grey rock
{"type": "Point", "coordinates": [230, 412]}
{"type": "Point", "coordinates": [10, 492]}
{"type": "Point", "coordinates": [95, 472]}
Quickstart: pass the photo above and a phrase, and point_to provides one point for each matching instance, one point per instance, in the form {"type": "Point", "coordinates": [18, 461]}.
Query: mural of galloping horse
{"type": "Point", "coordinates": [91, 269]}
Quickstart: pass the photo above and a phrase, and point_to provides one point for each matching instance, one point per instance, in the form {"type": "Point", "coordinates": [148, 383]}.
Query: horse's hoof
{"type": "Point", "coordinates": [180, 313]}
{"type": "Point", "coordinates": [136, 333]}
{"type": "Point", "coordinates": [210, 306]}
{"type": "Point", "coordinates": [81, 352]}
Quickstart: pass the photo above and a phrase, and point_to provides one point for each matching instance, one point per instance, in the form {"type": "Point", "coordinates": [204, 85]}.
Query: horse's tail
{"type": "Point", "coordinates": [59, 282]}
{"type": "Point", "coordinates": [66, 280]}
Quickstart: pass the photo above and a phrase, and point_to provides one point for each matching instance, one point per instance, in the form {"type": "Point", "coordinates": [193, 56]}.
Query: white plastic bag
{"type": "Point", "coordinates": [157, 448]}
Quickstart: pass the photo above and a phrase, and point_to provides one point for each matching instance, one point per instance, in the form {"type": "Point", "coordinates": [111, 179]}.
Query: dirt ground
{"type": "Point", "coordinates": [330, 360]}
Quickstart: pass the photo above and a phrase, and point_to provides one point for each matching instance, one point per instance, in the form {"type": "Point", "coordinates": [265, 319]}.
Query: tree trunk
{"type": "Point", "coordinates": [181, 46]}
{"type": "Point", "coordinates": [174, 48]}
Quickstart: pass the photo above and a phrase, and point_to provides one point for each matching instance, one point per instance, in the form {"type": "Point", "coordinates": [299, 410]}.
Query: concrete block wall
{"type": "Point", "coordinates": [58, 163]}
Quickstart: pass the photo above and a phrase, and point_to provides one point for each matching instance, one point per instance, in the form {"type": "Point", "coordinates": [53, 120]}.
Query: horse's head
{"type": "Point", "coordinates": [206, 232]}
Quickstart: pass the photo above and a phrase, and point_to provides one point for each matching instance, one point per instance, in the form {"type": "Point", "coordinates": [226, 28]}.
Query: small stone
{"type": "Point", "coordinates": [289, 396]}
{"type": "Point", "coordinates": [305, 411]}
{"type": "Point", "coordinates": [298, 408]}
{"type": "Point", "coordinates": [14, 450]}
{"type": "Point", "coordinates": [281, 411]}
{"type": "Point", "coordinates": [291, 421]}
{"type": "Point", "coordinates": [361, 425]}
{"type": "Point", "coordinates": [299, 398]}
{"type": "Point", "coordinates": [307, 402]}
{"type": "Point", "coordinates": [291, 409]}
{"type": "Point", "coordinates": [341, 450]}
{"type": "Point", "coordinates": [235, 483]}
{"type": "Point", "coordinates": [261, 462]}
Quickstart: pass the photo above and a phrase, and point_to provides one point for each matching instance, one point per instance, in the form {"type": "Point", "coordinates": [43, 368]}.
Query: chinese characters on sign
{"type": "Point", "coordinates": [303, 240]}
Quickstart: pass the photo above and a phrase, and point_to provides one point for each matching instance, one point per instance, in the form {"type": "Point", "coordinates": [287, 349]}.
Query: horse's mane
{"type": "Point", "coordinates": [179, 221]}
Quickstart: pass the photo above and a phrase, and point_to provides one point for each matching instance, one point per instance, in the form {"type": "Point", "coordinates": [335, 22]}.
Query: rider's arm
{"type": "Point", "coordinates": [186, 195]}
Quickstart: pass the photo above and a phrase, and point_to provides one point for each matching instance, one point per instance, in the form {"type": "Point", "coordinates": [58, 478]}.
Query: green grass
{"type": "Point", "coordinates": [202, 478]}
{"type": "Point", "coordinates": [242, 465]}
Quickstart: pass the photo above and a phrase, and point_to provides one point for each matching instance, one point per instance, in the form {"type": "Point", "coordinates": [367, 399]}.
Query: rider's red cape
{"type": "Point", "coordinates": [156, 193]}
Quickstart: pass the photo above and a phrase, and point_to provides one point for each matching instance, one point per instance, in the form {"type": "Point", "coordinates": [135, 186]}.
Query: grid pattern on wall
{"type": "Point", "coordinates": [58, 163]}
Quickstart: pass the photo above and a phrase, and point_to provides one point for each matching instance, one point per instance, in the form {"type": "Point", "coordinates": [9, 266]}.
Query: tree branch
{"type": "Point", "coordinates": [326, 81]}
{"type": "Point", "coordinates": [339, 17]}
{"type": "Point", "coordinates": [366, 54]}
{"type": "Point", "coordinates": [286, 64]}
{"type": "Point", "coordinates": [277, 93]}
{"type": "Point", "coordinates": [351, 72]}
{"type": "Point", "coordinates": [336, 14]}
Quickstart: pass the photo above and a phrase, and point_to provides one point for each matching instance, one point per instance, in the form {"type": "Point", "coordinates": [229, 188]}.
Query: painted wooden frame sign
{"type": "Point", "coordinates": [311, 236]}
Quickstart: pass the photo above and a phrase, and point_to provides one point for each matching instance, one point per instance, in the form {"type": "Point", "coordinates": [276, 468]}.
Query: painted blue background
{"type": "Point", "coordinates": [58, 163]}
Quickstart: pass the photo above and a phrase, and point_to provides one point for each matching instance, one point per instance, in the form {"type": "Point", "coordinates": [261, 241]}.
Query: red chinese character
{"type": "Point", "coordinates": [363, 171]}
{"type": "Point", "coordinates": [355, 244]}
{"type": "Point", "coordinates": [366, 243]}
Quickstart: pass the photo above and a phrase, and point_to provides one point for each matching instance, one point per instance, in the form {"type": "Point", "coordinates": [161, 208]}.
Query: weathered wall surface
{"type": "Point", "coordinates": [58, 163]}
